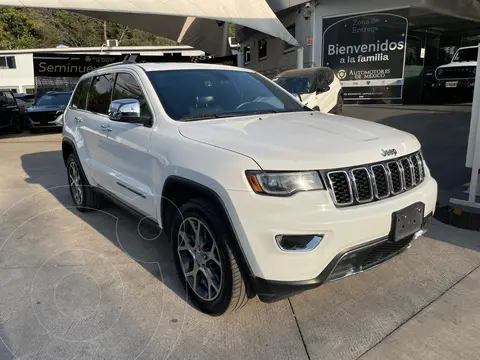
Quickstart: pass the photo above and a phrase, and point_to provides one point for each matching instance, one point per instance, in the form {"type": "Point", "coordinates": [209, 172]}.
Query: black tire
{"type": "Point", "coordinates": [89, 200]}
{"type": "Point", "coordinates": [33, 131]}
{"type": "Point", "coordinates": [18, 125]}
{"type": "Point", "coordinates": [233, 293]}
{"type": "Point", "coordinates": [338, 110]}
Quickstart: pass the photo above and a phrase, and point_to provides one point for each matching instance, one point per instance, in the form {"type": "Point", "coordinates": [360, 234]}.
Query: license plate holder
{"type": "Point", "coordinates": [407, 222]}
{"type": "Point", "coordinates": [451, 84]}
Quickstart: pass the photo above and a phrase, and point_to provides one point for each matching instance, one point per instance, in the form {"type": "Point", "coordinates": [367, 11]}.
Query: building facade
{"type": "Point", "coordinates": [17, 66]}
{"type": "Point", "coordinates": [353, 38]}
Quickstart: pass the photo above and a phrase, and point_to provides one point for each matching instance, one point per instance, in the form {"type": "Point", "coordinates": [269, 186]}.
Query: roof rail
{"type": "Point", "coordinates": [120, 63]}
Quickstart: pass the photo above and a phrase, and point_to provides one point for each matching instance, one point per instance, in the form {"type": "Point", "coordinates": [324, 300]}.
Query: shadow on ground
{"type": "Point", "coordinates": [138, 238]}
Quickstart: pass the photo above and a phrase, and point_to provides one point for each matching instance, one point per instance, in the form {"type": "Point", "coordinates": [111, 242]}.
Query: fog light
{"type": "Point", "coordinates": [298, 242]}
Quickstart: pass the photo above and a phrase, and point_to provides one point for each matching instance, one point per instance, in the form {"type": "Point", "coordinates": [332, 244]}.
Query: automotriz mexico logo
{"type": "Point", "coordinates": [342, 74]}
{"type": "Point", "coordinates": [389, 152]}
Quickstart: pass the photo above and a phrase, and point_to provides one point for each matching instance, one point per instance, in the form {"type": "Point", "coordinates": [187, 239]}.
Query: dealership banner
{"type": "Point", "coordinates": [367, 53]}
{"type": "Point", "coordinates": [70, 65]}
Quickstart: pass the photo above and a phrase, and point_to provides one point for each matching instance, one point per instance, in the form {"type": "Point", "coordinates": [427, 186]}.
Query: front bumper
{"type": "Point", "coordinates": [464, 85]}
{"type": "Point", "coordinates": [347, 263]}
{"type": "Point", "coordinates": [53, 124]}
{"type": "Point", "coordinates": [343, 229]}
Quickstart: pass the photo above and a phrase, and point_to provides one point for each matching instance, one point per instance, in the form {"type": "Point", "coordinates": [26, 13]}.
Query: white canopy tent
{"type": "Point", "coordinates": [198, 23]}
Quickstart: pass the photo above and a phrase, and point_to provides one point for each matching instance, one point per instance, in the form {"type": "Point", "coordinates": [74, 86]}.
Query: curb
{"type": "Point", "coordinates": [457, 217]}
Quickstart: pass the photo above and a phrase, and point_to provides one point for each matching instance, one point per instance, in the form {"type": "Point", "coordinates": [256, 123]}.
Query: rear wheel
{"type": "Point", "coordinates": [205, 260]}
{"type": "Point", "coordinates": [83, 195]}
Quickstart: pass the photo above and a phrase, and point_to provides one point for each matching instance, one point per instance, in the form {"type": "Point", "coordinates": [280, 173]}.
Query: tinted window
{"type": "Point", "coordinates": [466, 55]}
{"type": "Point", "coordinates": [100, 94]}
{"type": "Point", "coordinates": [262, 49]}
{"type": "Point", "coordinates": [127, 87]}
{"type": "Point", "coordinates": [7, 62]}
{"type": "Point", "coordinates": [297, 84]}
{"type": "Point", "coordinates": [291, 30]}
{"type": "Point", "coordinates": [54, 99]}
{"type": "Point", "coordinates": [186, 94]}
{"type": "Point", "coordinates": [79, 98]}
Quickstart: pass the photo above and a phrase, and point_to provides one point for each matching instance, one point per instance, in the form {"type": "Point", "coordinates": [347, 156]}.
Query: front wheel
{"type": "Point", "coordinates": [83, 195]}
{"type": "Point", "coordinates": [205, 261]}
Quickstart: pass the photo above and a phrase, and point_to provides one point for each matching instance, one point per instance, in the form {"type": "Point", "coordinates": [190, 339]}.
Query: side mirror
{"type": "Point", "coordinates": [125, 110]}
{"type": "Point", "coordinates": [296, 96]}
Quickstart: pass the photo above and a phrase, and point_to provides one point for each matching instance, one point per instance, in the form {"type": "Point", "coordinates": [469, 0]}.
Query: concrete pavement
{"type": "Point", "coordinates": [102, 286]}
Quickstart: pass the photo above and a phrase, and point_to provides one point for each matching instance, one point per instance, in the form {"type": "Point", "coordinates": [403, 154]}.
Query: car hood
{"type": "Point", "coordinates": [458, 64]}
{"type": "Point", "coordinates": [45, 108]}
{"type": "Point", "coordinates": [302, 141]}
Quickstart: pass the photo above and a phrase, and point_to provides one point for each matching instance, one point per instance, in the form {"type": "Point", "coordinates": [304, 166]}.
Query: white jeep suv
{"type": "Point", "coordinates": [257, 194]}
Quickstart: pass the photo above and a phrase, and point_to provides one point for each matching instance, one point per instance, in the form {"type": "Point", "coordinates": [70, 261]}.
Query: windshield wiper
{"type": "Point", "coordinates": [200, 117]}
{"type": "Point", "coordinates": [227, 115]}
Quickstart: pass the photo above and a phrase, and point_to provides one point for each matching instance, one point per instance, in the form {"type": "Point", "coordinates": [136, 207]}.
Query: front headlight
{"type": "Point", "coordinates": [284, 183]}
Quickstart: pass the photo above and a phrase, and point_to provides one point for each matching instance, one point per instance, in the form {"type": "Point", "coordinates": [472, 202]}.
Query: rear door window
{"type": "Point", "coordinates": [79, 98]}
{"type": "Point", "coordinates": [100, 94]}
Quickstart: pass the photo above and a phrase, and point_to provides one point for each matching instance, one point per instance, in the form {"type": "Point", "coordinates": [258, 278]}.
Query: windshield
{"type": "Point", "coordinates": [296, 85]}
{"type": "Point", "coordinates": [204, 94]}
{"type": "Point", "coordinates": [466, 55]}
{"type": "Point", "coordinates": [53, 100]}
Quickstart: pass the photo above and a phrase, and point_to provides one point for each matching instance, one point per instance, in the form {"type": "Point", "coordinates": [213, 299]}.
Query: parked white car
{"type": "Point", "coordinates": [317, 88]}
{"type": "Point", "coordinates": [458, 77]}
{"type": "Point", "coordinates": [258, 197]}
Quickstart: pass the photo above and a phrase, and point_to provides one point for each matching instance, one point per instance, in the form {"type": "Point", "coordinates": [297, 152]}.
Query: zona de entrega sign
{"type": "Point", "coordinates": [367, 53]}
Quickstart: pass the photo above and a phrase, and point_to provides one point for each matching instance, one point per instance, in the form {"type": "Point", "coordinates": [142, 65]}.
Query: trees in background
{"type": "Point", "coordinates": [23, 28]}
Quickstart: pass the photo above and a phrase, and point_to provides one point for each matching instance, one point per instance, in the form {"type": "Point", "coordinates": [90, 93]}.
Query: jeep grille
{"type": "Point", "coordinates": [365, 184]}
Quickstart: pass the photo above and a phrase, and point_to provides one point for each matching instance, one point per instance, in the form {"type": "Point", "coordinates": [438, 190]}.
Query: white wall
{"type": "Point", "coordinates": [278, 58]}
{"type": "Point", "coordinates": [20, 78]}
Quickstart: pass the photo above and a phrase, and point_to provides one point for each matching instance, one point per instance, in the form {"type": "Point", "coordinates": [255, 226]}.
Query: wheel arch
{"type": "Point", "coordinates": [68, 148]}
{"type": "Point", "coordinates": [178, 190]}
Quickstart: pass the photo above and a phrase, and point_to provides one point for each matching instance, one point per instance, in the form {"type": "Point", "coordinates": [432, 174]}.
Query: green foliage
{"type": "Point", "coordinates": [22, 28]}
{"type": "Point", "coordinates": [18, 29]}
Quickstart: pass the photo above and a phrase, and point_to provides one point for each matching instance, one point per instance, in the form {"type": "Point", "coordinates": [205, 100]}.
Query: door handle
{"type": "Point", "coordinates": [78, 120]}
{"type": "Point", "coordinates": [106, 128]}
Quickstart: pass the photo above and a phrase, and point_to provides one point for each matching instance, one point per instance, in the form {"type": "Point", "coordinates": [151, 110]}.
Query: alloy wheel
{"type": "Point", "coordinates": [75, 182]}
{"type": "Point", "coordinates": [200, 258]}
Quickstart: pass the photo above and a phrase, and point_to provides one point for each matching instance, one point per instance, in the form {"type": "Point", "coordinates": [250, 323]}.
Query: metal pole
{"type": "Point", "coordinates": [475, 116]}
{"type": "Point", "coordinates": [240, 58]}
{"type": "Point", "coordinates": [473, 151]}
{"type": "Point", "coordinates": [300, 58]}
{"type": "Point", "coordinates": [314, 21]}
